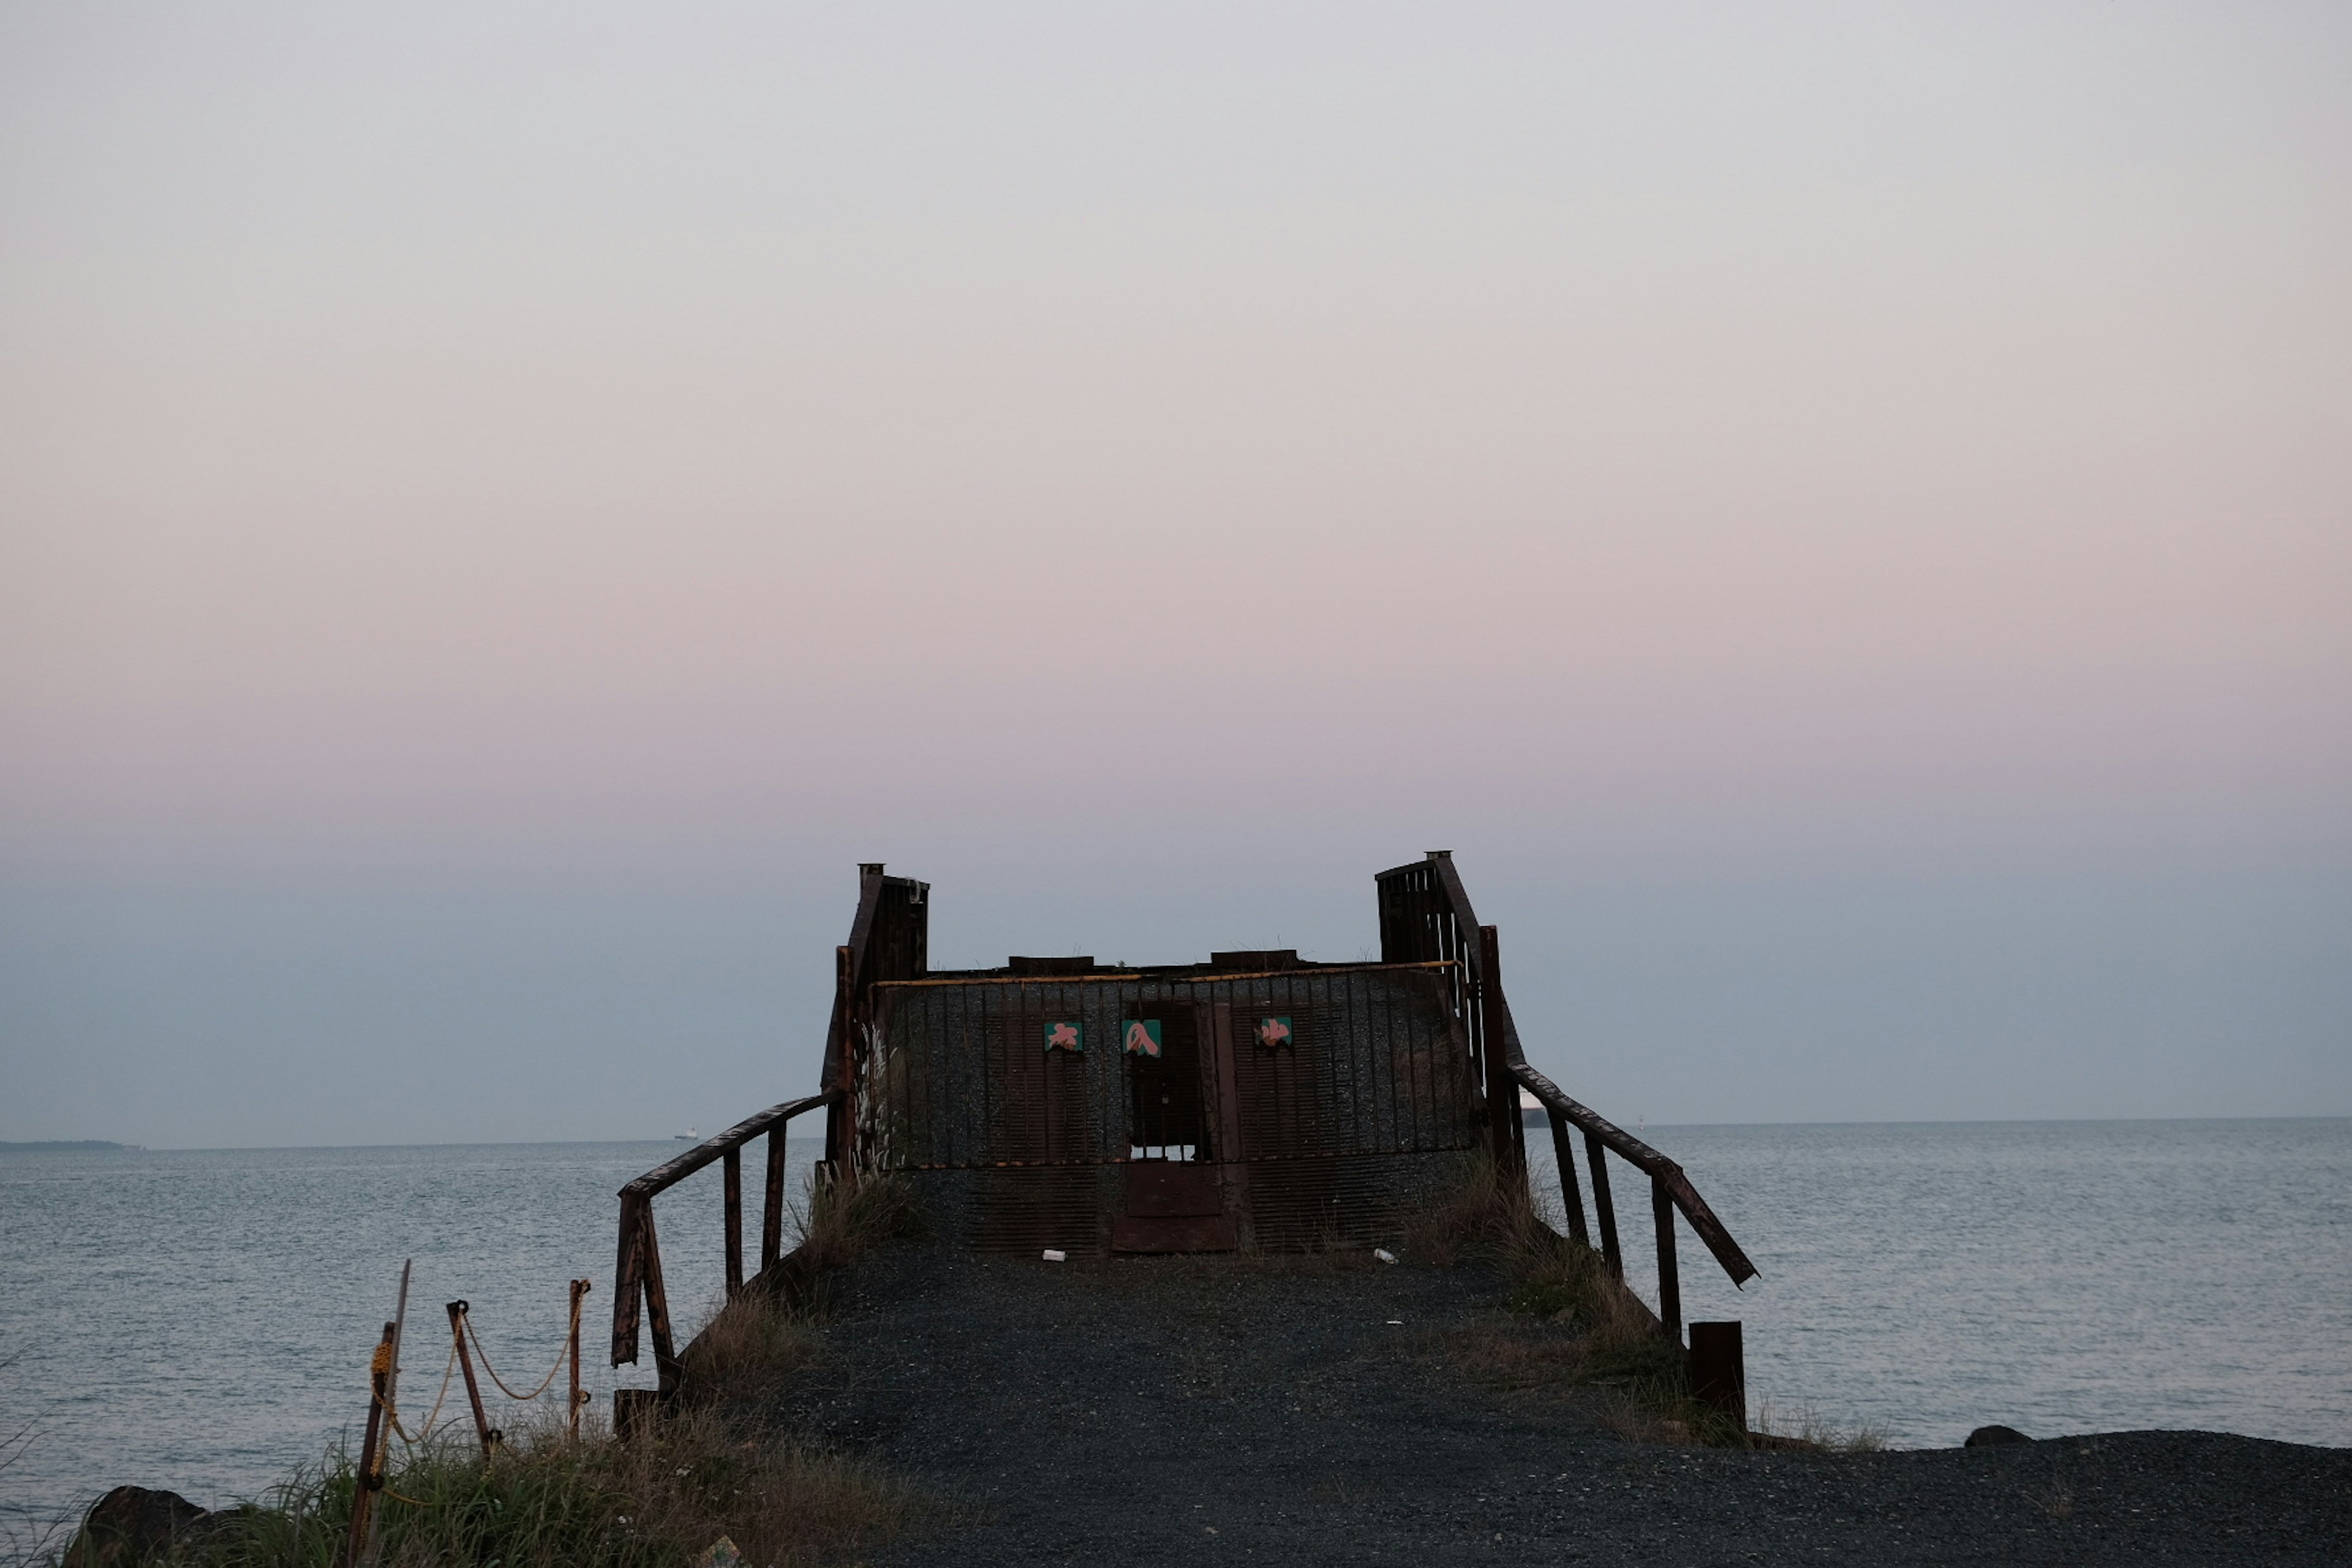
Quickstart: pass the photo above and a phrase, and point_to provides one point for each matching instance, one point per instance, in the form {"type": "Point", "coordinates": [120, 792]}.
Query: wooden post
{"type": "Point", "coordinates": [731, 1165]}
{"type": "Point", "coordinates": [666, 1368]}
{"type": "Point", "coordinates": [579, 1290]}
{"type": "Point", "coordinates": [1670, 1288]}
{"type": "Point", "coordinates": [482, 1428]}
{"type": "Point", "coordinates": [364, 1485]}
{"type": "Point", "coordinates": [1572, 1197]}
{"type": "Point", "coordinates": [841, 1116]}
{"type": "Point", "coordinates": [391, 1405]}
{"type": "Point", "coordinates": [1718, 1371]}
{"type": "Point", "coordinates": [1596, 1155]}
{"type": "Point", "coordinates": [628, 1281]}
{"type": "Point", "coordinates": [1503, 1121]}
{"type": "Point", "coordinates": [771, 1208]}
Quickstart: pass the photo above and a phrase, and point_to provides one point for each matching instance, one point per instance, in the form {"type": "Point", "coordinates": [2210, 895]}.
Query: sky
{"type": "Point", "coordinates": [1839, 516]}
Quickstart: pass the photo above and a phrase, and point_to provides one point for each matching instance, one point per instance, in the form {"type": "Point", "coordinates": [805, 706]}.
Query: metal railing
{"type": "Point", "coordinates": [639, 1273]}
{"type": "Point", "coordinates": [1425, 913]}
{"type": "Point", "coordinates": [1425, 918]}
{"type": "Point", "coordinates": [887, 941]}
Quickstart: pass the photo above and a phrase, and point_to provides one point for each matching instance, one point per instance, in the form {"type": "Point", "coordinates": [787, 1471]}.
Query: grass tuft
{"type": "Point", "coordinates": [1570, 1324]}
{"type": "Point", "coordinates": [841, 1222]}
{"type": "Point", "coordinates": [544, 1502]}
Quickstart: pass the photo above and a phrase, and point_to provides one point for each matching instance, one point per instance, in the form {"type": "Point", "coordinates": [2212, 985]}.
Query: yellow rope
{"type": "Point", "coordinates": [448, 1370]}
{"type": "Point", "coordinates": [560, 1353]}
{"type": "Point", "coordinates": [412, 1502]}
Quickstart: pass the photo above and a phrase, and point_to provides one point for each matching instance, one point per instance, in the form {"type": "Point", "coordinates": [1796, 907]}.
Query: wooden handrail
{"type": "Point", "coordinates": [669, 1173]}
{"type": "Point", "coordinates": [1665, 1175]}
{"type": "Point", "coordinates": [1657, 1166]}
{"type": "Point", "coordinates": [637, 1272]}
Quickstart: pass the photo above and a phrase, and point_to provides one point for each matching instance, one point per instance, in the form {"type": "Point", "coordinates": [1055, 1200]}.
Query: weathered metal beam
{"type": "Point", "coordinates": [670, 1172]}
{"type": "Point", "coordinates": [772, 1205]}
{"type": "Point", "coordinates": [731, 1166]}
{"type": "Point", "coordinates": [1599, 1131]}
{"type": "Point", "coordinates": [666, 1367]}
{"type": "Point", "coordinates": [1670, 1283]}
{"type": "Point", "coordinates": [628, 1283]}
{"type": "Point", "coordinates": [1596, 1155]}
{"type": "Point", "coordinates": [1572, 1197]}
{"type": "Point", "coordinates": [1503, 1121]}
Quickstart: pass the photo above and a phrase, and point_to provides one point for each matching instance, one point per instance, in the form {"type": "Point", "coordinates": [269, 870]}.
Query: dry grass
{"type": "Point", "coordinates": [705, 1470]}
{"type": "Point", "coordinates": [1571, 1324]}
{"type": "Point", "coordinates": [839, 1223]}
{"type": "Point", "coordinates": [1771, 1426]}
{"type": "Point", "coordinates": [662, 1498]}
{"type": "Point", "coordinates": [748, 1341]}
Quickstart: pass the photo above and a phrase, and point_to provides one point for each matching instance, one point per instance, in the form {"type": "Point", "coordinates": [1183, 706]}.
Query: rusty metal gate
{"type": "Point", "coordinates": [1169, 1111]}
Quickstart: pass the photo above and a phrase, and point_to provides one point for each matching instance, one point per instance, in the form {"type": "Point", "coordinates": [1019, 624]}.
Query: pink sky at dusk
{"type": "Point", "coordinates": [676, 441]}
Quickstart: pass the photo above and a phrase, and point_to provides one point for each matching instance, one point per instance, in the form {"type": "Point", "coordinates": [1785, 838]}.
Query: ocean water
{"type": "Point", "coordinates": [2058, 1277]}
{"type": "Point", "coordinates": [202, 1320]}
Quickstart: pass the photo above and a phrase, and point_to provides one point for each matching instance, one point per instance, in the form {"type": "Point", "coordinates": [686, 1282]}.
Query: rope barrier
{"type": "Point", "coordinates": [561, 1352]}
{"type": "Point", "coordinates": [391, 1416]}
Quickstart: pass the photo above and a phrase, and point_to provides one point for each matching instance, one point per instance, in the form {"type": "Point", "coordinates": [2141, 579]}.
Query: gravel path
{"type": "Point", "coordinates": [1221, 1410]}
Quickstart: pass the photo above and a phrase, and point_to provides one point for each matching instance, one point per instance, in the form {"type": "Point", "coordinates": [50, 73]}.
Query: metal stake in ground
{"type": "Point", "coordinates": [391, 1407]}
{"type": "Point", "coordinates": [367, 1480]}
{"type": "Point", "coordinates": [482, 1428]}
{"type": "Point", "coordinates": [579, 1292]}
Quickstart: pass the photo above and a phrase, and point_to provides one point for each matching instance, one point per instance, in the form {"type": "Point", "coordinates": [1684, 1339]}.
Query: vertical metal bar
{"type": "Point", "coordinates": [1718, 1374]}
{"type": "Point", "coordinates": [1596, 1155]}
{"type": "Point", "coordinates": [732, 1168]}
{"type": "Point", "coordinates": [837, 1135]}
{"type": "Point", "coordinates": [572, 1418]}
{"type": "Point", "coordinates": [666, 1367]}
{"type": "Point", "coordinates": [1572, 1198]}
{"type": "Point", "coordinates": [1670, 1288]}
{"type": "Point", "coordinates": [366, 1484]}
{"type": "Point", "coordinates": [771, 1201]}
{"type": "Point", "coordinates": [489, 1439]}
{"type": "Point", "coordinates": [1232, 1156]}
{"type": "Point", "coordinates": [628, 1278]}
{"type": "Point", "coordinates": [1503, 1120]}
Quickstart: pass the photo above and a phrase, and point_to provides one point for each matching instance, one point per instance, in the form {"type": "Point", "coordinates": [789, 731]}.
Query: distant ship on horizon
{"type": "Point", "coordinates": [688, 1136]}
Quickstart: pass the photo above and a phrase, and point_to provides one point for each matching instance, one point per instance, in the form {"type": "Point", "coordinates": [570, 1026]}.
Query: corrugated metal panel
{"type": "Point", "coordinates": [1348, 1201]}
{"type": "Point", "coordinates": [1026, 1209]}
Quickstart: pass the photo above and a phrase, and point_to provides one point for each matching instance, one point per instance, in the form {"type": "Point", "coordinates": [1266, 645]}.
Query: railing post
{"type": "Point", "coordinates": [628, 1282]}
{"type": "Point", "coordinates": [1503, 1121]}
{"type": "Point", "coordinates": [732, 1168]}
{"type": "Point", "coordinates": [482, 1428]}
{"type": "Point", "coordinates": [1719, 1373]}
{"type": "Point", "coordinates": [1572, 1198]}
{"type": "Point", "coordinates": [1596, 1154]}
{"type": "Point", "coordinates": [771, 1208]}
{"type": "Point", "coordinates": [571, 1417]}
{"type": "Point", "coordinates": [841, 1116]}
{"type": "Point", "coordinates": [666, 1368]}
{"type": "Point", "coordinates": [1670, 1288]}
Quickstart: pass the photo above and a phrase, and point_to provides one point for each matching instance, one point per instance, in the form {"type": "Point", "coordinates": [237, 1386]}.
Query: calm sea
{"type": "Point", "coordinates": [201, 1319]}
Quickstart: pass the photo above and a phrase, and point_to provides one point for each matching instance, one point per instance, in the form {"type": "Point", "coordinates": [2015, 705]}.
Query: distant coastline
{"type": "Point", "coordinates": [64, 1146]}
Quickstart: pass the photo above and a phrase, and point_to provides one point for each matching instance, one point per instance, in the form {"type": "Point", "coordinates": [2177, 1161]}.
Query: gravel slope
{"type": "Point", "coordinates": [1223, 1410]}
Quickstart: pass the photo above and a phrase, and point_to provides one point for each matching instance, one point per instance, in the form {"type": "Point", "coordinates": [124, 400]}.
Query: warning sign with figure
{"type": "Point", "coordinates": [1272, 1032]}
{"type": "Point", "coordinates": [1065, 1036]}
{"type": "Point", "coordinates": [1142, 1036]}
